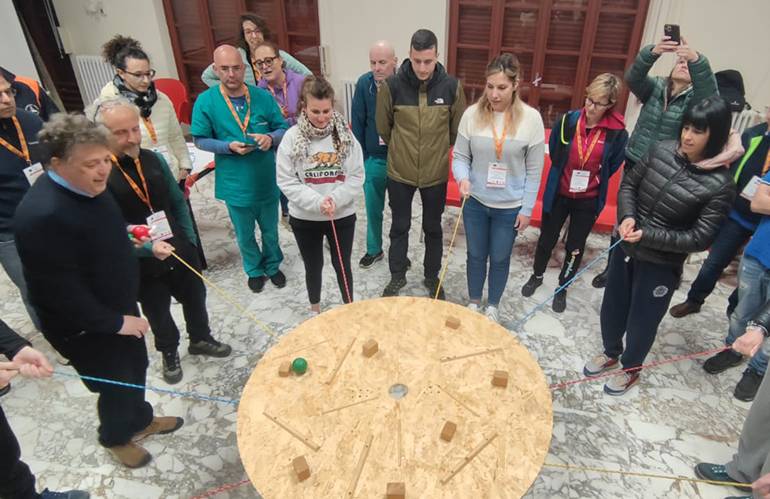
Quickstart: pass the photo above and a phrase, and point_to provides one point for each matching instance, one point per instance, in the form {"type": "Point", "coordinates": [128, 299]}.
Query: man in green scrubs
{"type": "Point", "coordinates": [243, 125]}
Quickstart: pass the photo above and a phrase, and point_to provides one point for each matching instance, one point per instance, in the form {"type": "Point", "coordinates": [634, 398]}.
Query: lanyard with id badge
{"type": "Point", "coordinates": [32, 172]}
{"type": "Point", "coordinates": [581, 178]}
{"type": "Point", "coordinates": [160, 149]}
{"type": "Point", "coordinates": [497, 172]}
{"type": "Point", "coordinates": [160, 229]}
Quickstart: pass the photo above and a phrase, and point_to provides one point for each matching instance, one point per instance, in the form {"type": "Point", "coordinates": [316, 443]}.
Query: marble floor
{"type": "Point", "coordinates": [677, 416]}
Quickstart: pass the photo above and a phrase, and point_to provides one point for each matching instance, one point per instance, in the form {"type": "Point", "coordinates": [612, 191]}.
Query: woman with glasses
{"type": "Point", "coordinates": [586, 148]}
{"type": "Point", "coordinates": [253, 31]}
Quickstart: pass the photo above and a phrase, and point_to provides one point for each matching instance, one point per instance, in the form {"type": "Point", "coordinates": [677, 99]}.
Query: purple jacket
{"type": "Point", "coordinates": [293, 90]}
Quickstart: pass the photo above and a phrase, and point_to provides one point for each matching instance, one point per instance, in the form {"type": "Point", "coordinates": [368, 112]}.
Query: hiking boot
{"type": "Point", "coordinates": [601, 279]}
{"type": "Point", "coordinates": [161, 425]}
{"type": "Point", "coordinates": [683, 309]}
{"type": "Point", "coordinates": [72, 494]}
{"type": "Point", "coordinates": [209, 348]}
{"type": "Point", "coordinates": [172, 367]}
{"type": "Point", "coordinates": [257, 284]}
{"type": "Point", "coordinates": [559, 304]}
{"type": "Point", "coordinates": [278, 279]}
{"type": "Point", "coordinates": [432, 284]}
{"type": "Point", "coordinates": [722, 361]}
{"type": "Point", "coordinates": [599, 365]}
{"type": "Point", "coordinates": [529, 288]}
{"type": "Point", "coordinates": [747, 387]}
{"type": "Point", "coordinates": [474, 307]}
{"type": "Point", "coordinates": [620, 384]}
{"type": "Point", "coordinates": [493, 314]}
{"type": "Point", "coordinates": [394, 286]}
{"type": "Point", "coordinates": [131, 455]}
{"type": "Point", "coordinates": [369, 260]}
{"type": "Point", "coordinates": [715, 473]}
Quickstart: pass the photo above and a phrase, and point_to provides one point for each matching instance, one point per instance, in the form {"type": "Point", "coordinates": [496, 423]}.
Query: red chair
{"type": "Point", "coordinates": [537, 211]}
{"type": "Point", "coordinates": [452, 188]}
{"type": "Point", "coordinates": [177, 92]}
{"type": "Point", "coordinates": [606, 220]}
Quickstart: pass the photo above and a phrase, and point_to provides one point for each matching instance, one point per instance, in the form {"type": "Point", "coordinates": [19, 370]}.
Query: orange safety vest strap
{"type": "Point", "coordinates": [34, 85]}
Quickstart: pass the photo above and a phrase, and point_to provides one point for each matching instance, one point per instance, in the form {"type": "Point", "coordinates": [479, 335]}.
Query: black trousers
{"type": "Point", "coordinates": [155, 294]}
{"type": "Point", "coordinates": [122, 410]}
{"type": "Point", "coordinates": [636, 299]}
{"type": "Point", "coordinates": [433, 202]}
{"type": "Point", "coordinates": [582, 215]}
{"type": "Point", "coordinates": [310, 240]}
{"type": "Point", "coordinates": [16, 481]}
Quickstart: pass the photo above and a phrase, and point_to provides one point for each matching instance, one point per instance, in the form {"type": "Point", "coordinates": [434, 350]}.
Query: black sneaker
{"type": "Point", "coordinates": [559, 304]}
{"type": "Point", "coordinates": [4, 390]}
{"type": "Point", "coordinates": [72, 494]}
{"type": "Point", "coordinates": [209, 348]}
{"type": "Point", "coordinates": [172, 367]}
{"type": "Point", "coordinates": [432, 284]}
{"type": "Point", "coordinates": [722, 361]}
{"type": "Point", "coordinates": [369, 260]}
{"type": "Point", "coordinates": [747, 387]}
{"type": "Point", "coordinates": [601, 279]}
{"type": "Point", "coordinates": [529, 288]}
{"type": "Point", "coordinates": [394, 286]}
{"type": "Point", "coordinates": [257, 284]}
{"type": "Point", "coordinates": [716, 473]}
{"type": "Point", "coordinates": [278, 279]}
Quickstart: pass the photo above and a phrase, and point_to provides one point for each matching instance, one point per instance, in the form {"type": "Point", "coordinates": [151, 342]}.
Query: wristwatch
{"type": "Point", "coordinates": [758, 327]}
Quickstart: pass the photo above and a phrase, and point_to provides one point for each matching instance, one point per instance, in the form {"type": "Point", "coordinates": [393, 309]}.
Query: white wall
{"type": "Point", "coordinates": [16, 56]}
{"type": "Point", "coordinates": [143, 20]}
{"type": "Point", "coordinates": [349, 27]}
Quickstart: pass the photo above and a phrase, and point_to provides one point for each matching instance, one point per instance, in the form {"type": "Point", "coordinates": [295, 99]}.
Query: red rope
{"type": "Point", "coordinates": [342, 265]}
{"type": "Point", "coordinates": [209, 494]}
{"type": "Point", "coordinates": [560, 385]}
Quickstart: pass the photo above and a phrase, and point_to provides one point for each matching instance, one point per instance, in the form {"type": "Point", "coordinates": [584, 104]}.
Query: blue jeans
{"type": "Point", "coordinates": [489, 233]}
{"type": "Point", "coordinates": [9, 259]}
{"type": "Point", "coordinates": [753, 291]}
{"type": "Point", "coordinates": [729, 240]}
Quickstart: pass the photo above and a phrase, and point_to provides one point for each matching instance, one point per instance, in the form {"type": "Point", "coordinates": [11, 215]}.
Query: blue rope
{"type": "Point", "coordinates": [523, 319]}
{"type": "Point", "coordinates": [161, 390]}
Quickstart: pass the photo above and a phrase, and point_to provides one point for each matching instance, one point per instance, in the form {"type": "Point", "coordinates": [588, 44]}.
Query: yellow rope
{"type": "Point", "coordinates": [648, 475]}
{"type": "Point", "coordinates": [261, 324]}
{"type": "Point", "coordinates": [446, 262]}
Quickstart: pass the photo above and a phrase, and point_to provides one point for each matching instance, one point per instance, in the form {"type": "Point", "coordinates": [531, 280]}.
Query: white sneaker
{"type": "Point", "coordinates": [492, 314]}
{"type": "Point", "coordinates": [474, 307]}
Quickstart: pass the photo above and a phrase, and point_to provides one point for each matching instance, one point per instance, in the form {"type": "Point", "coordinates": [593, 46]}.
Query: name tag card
{"type": "Point", "coordinates": [160, 230]}
{"type": "Point", "coordinates": [496, 175]}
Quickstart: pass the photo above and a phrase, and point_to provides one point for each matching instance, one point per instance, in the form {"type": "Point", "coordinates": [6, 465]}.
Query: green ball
{"type": "Point", "coordinates": [299, 365]}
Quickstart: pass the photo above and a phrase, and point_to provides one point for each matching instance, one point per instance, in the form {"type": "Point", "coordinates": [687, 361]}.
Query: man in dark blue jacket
{"type": "Point", "coordinates": [30, 95]}
{"type": "Point", "coordinates": [383, 61]}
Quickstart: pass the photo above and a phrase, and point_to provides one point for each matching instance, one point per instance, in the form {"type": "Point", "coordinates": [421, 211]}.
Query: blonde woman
{"type": "Point", "coordinates": [498, 160]}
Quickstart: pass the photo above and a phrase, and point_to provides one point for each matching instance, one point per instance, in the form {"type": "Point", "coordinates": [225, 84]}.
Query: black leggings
{"type": "Point", "coordinates": [310, 235]}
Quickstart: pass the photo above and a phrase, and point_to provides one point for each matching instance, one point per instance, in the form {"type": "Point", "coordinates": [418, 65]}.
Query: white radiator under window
{"type": "Point", "coordinates": [348, 89]}
{"type": "Point", "coordinates": [92, 73]}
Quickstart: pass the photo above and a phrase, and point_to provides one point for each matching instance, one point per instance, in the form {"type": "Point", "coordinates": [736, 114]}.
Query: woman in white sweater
{"type": "Point", "coordinates": [320, 168]}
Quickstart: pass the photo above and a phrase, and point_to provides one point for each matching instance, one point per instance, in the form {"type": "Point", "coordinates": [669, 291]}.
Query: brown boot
{"type": "Point", "coordinates": [683, 309]}
{"type": "Point", "coordinates": [132, 454]}
{"type": "Point", "coordinates": [160, 426]}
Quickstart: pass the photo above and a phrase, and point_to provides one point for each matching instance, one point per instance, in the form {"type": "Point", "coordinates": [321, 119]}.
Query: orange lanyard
{"type": "Point", "coordinates": [579, 137]}
{"type": "Point", "coordinates": [257, 73]}
{"type": "Point", "coordinates": [284, 110]}
{"type": "Point", "coordinates": [245, 124]}
{"type": "Point", "coordinates": [499, 141]}
{"type": "Point", "coordinates": [24, 153]}
{"type": "Point", "coordinates": [144, 196]}
{"type": "Point", "coordinates": [150, 129]}
{"type": "Point", "coordinates": [767, 164]}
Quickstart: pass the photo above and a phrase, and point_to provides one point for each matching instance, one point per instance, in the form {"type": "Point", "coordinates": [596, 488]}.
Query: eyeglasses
{"type": "Point", "coordinates": [252, 32]}
{"type": "Point", "coordinates": [10, 92]}
{"type": "Point", "coordinates": [598, 105]}
{"type": "Point", "coordinates": [228, 69]}
{"type": "Point", "coordinates": [267, 61]}
{"type": "Point", "coordinates": [141, 76]}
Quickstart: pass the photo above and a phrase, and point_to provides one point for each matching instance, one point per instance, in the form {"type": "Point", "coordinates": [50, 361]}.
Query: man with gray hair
{"type": "Point", "coordinates": [383, 61]}
{"type": "Point", "coordinates": [147, 194]}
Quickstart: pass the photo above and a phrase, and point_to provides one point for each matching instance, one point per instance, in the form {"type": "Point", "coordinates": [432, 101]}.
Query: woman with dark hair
{"type": "Point", "coordinates": [253, 31]}
{"type": "Point", "coordinates": [320, 167]}
{"type": "Point", "coordinates": [670, 204]}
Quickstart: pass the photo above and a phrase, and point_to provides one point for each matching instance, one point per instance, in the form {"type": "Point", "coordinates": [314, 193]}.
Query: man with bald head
{"type": "Point", "coordinates": [383, 61]}
{"type": "Point", "coordinates": [242, 125]}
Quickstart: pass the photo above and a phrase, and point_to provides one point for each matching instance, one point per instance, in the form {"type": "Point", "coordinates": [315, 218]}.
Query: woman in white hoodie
{"type": "Point", "coordinates": [320, 168]}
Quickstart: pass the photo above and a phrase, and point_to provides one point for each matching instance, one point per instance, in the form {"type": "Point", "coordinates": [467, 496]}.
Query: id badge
{"type": "Point", "coordinates": [160, 230]}
{"type": "Point", "coordinates": [382, 142]}
{"type": "Point", "coordinates": [33, 173]}
{"type": "Point", "coordinates": [751, 188]}
{"type": "Point", "coordinates": [579, 180]}
{"type": "Point", "coordinates": [163, 151]}
{"type": "Point", "coordinates": [496, 175]}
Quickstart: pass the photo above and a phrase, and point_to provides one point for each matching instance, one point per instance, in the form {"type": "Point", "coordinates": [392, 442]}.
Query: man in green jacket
{"type": "Point", "coordinates": [430, 104]}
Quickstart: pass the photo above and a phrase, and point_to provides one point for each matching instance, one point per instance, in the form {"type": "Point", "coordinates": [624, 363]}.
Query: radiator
{"type": "Point", "coordinates": [348, 89]}
{"type": "Point", "coordinates": [746, 119]}
{"type": "Point", "coordinates": [92, 73]}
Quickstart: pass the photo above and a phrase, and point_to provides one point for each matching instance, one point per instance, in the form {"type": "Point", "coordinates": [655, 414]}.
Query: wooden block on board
{"type": "Point", "coordinates": [500, 379]}
{"type": "Point", "coordinates": [453, 322]}
{"type": "Point", "coordinates": [396, 490]}
{"type": "Point", "coordinates": [301, 468]}
{"type": "Point", "coordinates": [285, 369]}
{"type": "Point", "coordinates": [449, 431]}
{"type": "Point", "coordinates": [370, 348]}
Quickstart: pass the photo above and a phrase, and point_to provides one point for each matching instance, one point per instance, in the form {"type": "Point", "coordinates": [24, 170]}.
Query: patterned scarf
{"type": "Point", "coordinates": [144, 100]}
{"type": "Point", "coordinates": [342, 137]}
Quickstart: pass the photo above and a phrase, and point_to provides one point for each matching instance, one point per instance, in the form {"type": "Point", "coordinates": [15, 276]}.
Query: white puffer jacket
{"type": "Point", "coordinates": [167, 130]}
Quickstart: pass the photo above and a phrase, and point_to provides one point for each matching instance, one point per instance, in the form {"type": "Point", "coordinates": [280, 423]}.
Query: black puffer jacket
{"type": "Point", "coordinates": [678, 206]}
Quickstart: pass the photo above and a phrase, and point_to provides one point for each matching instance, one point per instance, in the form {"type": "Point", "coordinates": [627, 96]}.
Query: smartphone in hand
{"type": "Point", "coordinates": [672, 30]}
